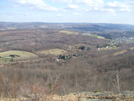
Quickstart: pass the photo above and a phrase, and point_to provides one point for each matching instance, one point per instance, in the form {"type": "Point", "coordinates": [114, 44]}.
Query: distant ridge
{"type": "Point", "coordinates": [76, 26]}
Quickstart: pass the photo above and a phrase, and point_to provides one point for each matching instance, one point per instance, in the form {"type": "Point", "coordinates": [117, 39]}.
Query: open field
{"type": "Point", "coordinates": [5, 60]}
{"type": "Point", "coordinates": [119, 53]}
{"type": "Point", "coordinates": [53, 51]}
{"type": "Point", "coordinates": [93, 35]}
{"type": "Point", "coordinates": [5, 56]}
{"type": "Point", "coordinates": [68, 32]}
{"type": "Point", "coordinates": [132, 48]}
{"type": "Point", "coordinates": [113, 47]}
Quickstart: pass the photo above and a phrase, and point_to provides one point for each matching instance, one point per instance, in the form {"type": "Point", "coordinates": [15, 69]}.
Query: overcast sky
{"type": "Point", "coordinates": [91, 11]}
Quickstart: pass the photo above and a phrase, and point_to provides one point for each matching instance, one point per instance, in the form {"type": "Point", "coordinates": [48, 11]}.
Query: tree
{"type": "Point", "coordinates": [82, 47]}
{"type": "Point", "coordinates": [115, 80]}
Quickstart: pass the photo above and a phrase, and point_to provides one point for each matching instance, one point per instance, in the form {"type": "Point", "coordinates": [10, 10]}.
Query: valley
{"type": "Point", "coordinates": [40, 59]}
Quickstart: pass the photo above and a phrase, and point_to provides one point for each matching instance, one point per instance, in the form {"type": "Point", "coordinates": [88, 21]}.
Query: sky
{"type": "Point", "coordinates": [66, 11]}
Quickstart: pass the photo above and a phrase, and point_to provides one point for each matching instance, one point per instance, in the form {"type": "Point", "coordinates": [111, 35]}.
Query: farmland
{"type": "Point", "coordinates": [53, 51]}
{"type": "Point", "coordinates": [68, 32]}
{"type": "Point", "coordinates": [17, 55]}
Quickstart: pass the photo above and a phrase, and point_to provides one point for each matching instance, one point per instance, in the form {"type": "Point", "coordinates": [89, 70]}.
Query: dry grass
{"type": "Point", "coordinates": [72, 97]}
{"type": "Point", "coordinates": [21, 54]}
{"type": "Point", "coordinates": [132, 48]}
{"type": "Point", "coordinates": [53, 51]}
{"type": "Point", "coordinates": [119, 53]}
{"type": "Point", "coordinates": [43, 26]}
{"type": "Point", "coordinates": [93, 35]}
{"type": "Point", "coordinates": [109, 48]}
{"type": "Point", "coordinates": [100, 37]}
{"type": "Point", "coordinates": [47, 98]}
{"type": "Point", "coordinates": [68, 32]}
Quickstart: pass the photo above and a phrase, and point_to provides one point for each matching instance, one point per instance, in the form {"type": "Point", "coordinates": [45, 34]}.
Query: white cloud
{"type": "Point", "coordinates": [78, 5]}
{"type": "Point", "coordinates": [130, 2]}
{"type": "Point", "coordinates": [118, 6]}
{"type": "Point", "coordinates": [114, 14]}
{"type": "Point", "coordinates": [27, 13]}
{"type": "Point", "coordinates": [76, 13]}
{"type": "Point", "coordinates": [109, 10]}
{"type": "Point", "coordinates": [72, 6]}
{"type": "Point", "coordinates": [125, 9]}
{"type": "Point", "coordinates": [84, 2]}
{"type": "Point", "coordinates": [34, 4]}
{"type": "Point", "coordinates": [15, 6]}
{"type": "Point", "coordinates": [91, 2]}
{"type": "Point", "coordinates": [96, 8]}
{"type": "Point", "coordinates": [20, 13]}
{"type": "Point", "coordinates": [100, 10]}
{"type": "Point", "coordinates": [59, 14]}
{"type": "Point", "coordinates": [63, 1]}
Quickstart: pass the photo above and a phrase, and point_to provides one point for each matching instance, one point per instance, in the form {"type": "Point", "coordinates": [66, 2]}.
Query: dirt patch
{"type": "Point", "coordinates": [119, 53]}
{"type": "Point", "coordinates": [53, 51]}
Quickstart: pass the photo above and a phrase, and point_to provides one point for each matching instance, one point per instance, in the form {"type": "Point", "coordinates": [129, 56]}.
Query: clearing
{"type": "Point", "coordinates": [55, 51]}
{"type": "Point", "coordinates": [93, 35]}
{"type": "Point", "coordinates": [68, 32]}
{"type": "Point", "coordinates": [15, 54]}
{"type": "Point", "coordinates": [119, 53]}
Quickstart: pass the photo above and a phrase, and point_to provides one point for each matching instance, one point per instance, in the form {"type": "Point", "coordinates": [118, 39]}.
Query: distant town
{"type": "Point", "coordinates": [124, 40]}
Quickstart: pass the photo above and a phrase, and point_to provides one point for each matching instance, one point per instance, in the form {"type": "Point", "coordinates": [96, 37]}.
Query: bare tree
{"type": "Point", "coordinates": [115, 80]}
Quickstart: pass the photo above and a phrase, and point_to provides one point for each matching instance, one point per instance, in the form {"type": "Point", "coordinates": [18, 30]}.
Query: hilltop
{"type": "Point", "coordinates": [76, 26]}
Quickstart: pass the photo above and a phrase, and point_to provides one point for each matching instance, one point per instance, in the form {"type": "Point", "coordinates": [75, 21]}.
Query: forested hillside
{"type": "Point", "coordinates": [63, 60]}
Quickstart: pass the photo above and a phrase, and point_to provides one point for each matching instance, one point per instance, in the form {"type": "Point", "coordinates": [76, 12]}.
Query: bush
{"type": "Point", "coordinates": [65, 57]}
{"type": "Point", "coordinates": [14, 56]}
{"type": "Point", "coordinates": [96, 91]}
{"type": "Point", "coordinates": [82, 47]}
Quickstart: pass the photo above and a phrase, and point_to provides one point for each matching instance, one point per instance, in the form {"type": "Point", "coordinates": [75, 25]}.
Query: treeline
{"type": "Point", "coordinates": [33, 40]}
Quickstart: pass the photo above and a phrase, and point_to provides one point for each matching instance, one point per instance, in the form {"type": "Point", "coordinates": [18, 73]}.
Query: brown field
{"type": "Point", "coordinates": [68, 32]}
{"type": "Point", "coordinates": [119, 53]}
{"type": "Point", "coordinates": [53, 51]}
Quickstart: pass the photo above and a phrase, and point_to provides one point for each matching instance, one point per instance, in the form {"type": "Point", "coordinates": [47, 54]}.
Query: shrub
{"type": "Point", "coordinates": [82, 47]}
{"type": "Point", "coordinates": [96, 91]}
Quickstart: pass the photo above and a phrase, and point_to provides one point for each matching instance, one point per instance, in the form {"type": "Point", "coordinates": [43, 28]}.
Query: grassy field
{"type": "Point", "coordinates": [93, 35]}
{"type": "Point", "coordinates": [53, 51]}
{"type": "Point", "coordinates": [68, 32]}
{"type": "Point", "coordinates": [5, 56]}
{"type": "Point", "coordinates": [110, 47]}
{"type": "Point", "coordinates": [132, 48]}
